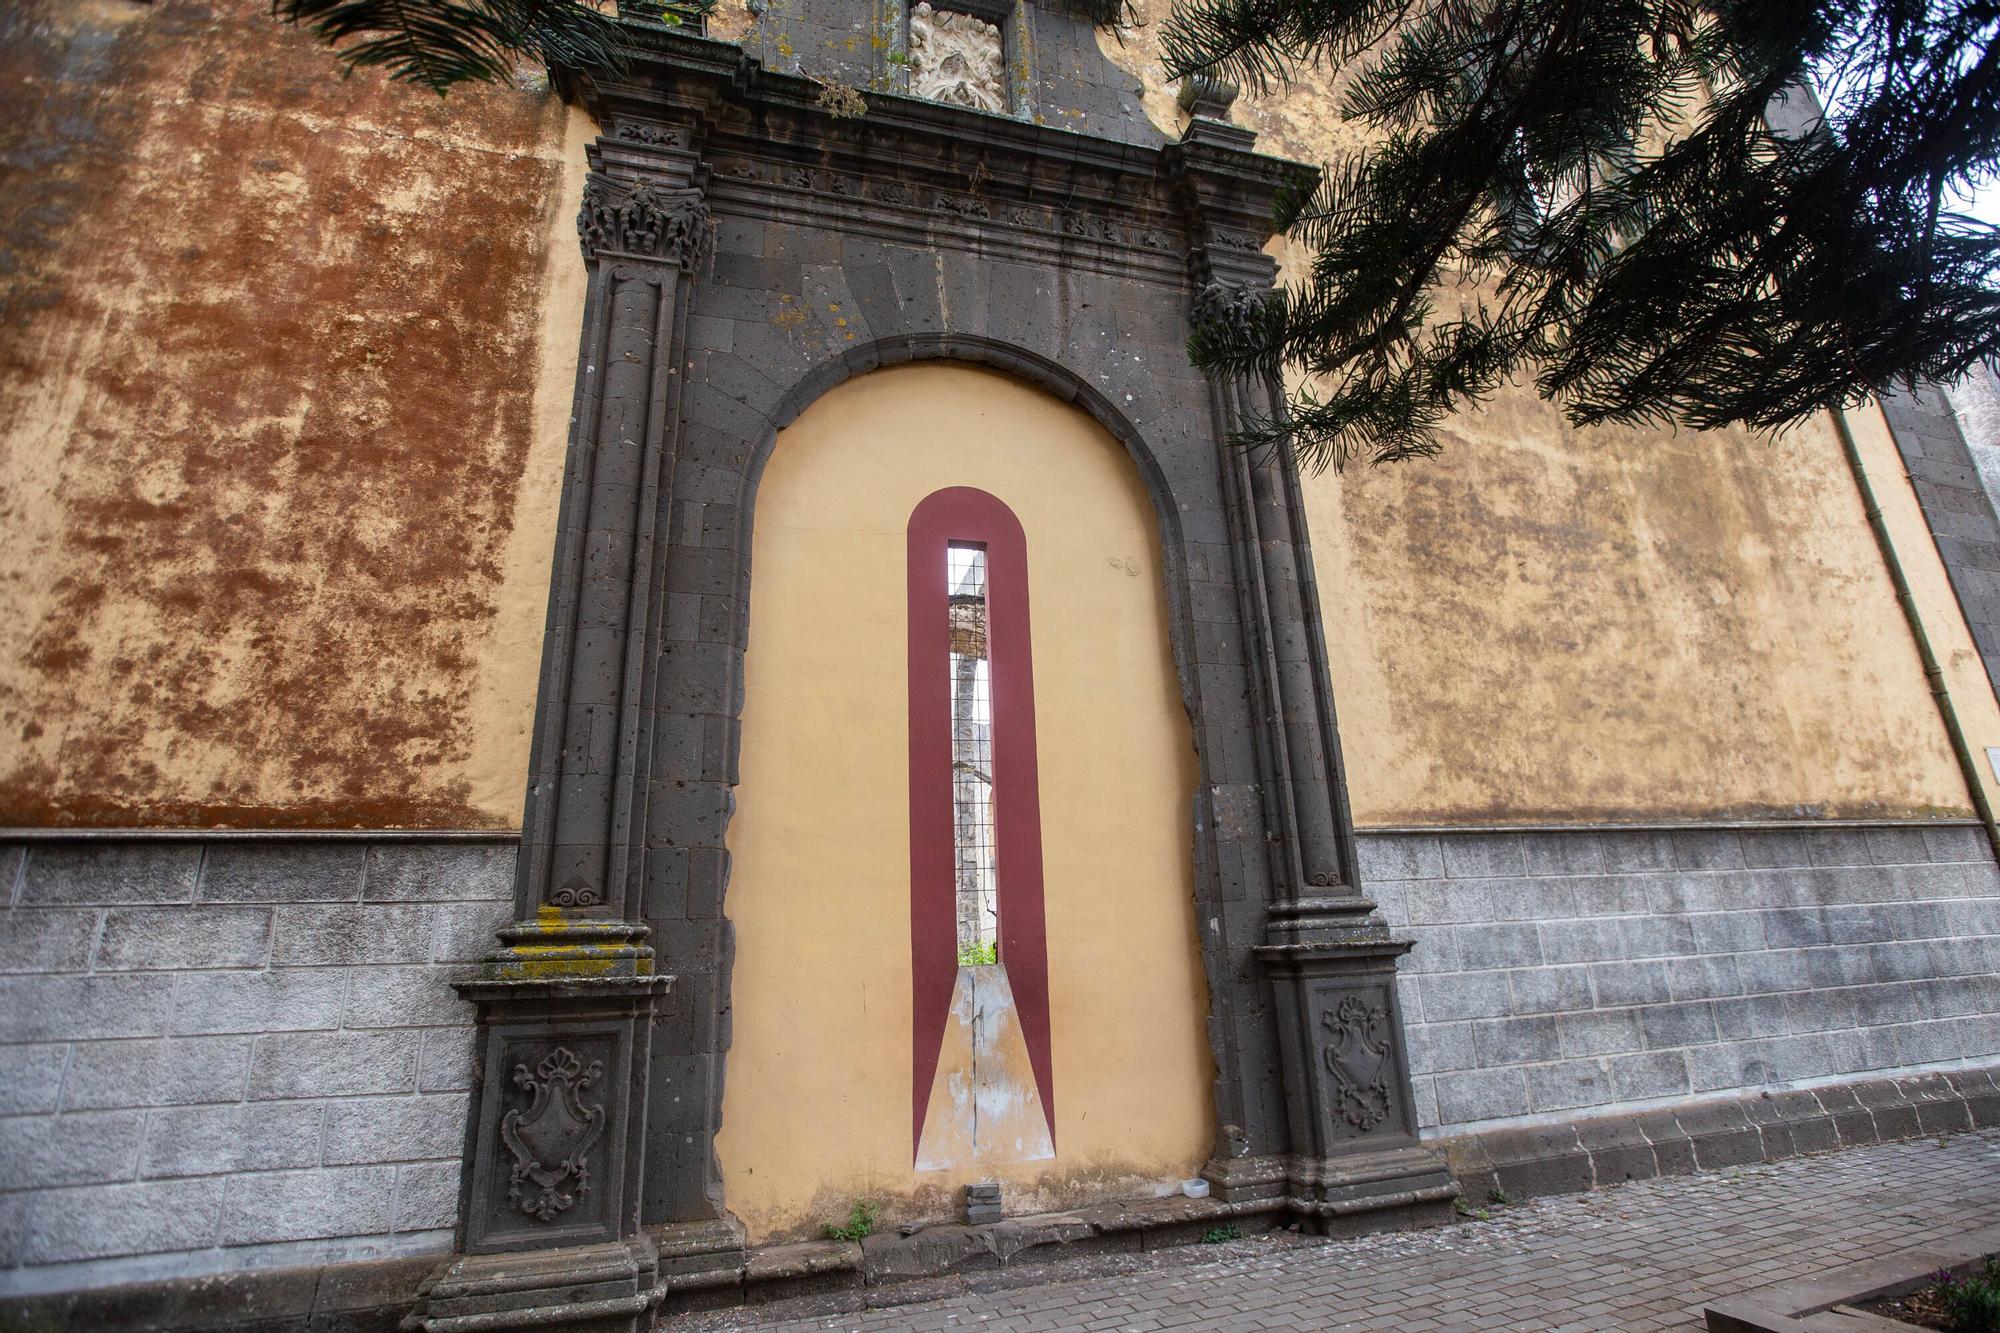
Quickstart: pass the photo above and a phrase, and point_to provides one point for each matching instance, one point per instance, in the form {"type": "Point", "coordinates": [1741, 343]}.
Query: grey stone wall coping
{"type": "Point", "coordinates": [1678, 1138]}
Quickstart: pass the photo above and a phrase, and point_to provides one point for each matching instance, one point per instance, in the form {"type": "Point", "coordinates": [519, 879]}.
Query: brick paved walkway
{"type": "Point", "coordinates": [1637, 1257]}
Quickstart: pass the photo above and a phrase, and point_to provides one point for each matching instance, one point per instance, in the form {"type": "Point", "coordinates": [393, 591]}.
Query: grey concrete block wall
{"type": "Point", "coordinates": [1556, 972]}
{"type": "Point", "coordinates": [219, 1054]}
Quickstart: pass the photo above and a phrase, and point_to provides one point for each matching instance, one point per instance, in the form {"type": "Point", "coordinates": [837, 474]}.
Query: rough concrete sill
{"type": "Point", "coordinates": [1823, 1302]}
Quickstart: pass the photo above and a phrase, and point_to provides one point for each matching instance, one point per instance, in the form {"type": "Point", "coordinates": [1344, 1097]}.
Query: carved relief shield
{"type": "Point", "coordinates": [551, 1138]}
{"type": "Point", "coordinates": [1357, 1056]}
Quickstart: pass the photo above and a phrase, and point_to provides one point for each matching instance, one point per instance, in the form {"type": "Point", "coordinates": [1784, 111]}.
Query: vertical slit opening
{"type": "Point", "coordinates": [974, 854]}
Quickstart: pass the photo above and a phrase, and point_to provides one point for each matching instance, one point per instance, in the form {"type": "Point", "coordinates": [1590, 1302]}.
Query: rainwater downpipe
{"type": "Point", "coordinates": [1933, 673]}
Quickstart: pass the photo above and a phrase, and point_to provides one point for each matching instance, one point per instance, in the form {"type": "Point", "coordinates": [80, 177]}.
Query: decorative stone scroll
{"type": "Point", "coordinates": [957, 58]}
{"type": "Point", "coordinates": [1359, 1056]}
{"type": "Point", "coordinates": [656, 136]}
{"type": "Point", "coordinates": [645, 220]}
{"type": "Point", "coordinates": [551, 1140]}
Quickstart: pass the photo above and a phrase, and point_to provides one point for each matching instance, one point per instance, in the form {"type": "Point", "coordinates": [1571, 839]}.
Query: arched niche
{"type": "Point", "coordinates": [817, 1104]}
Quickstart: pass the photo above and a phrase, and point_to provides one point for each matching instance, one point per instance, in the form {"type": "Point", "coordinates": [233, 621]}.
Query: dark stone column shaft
{"type": "Point", "coordinates": [1318, 860]}
{"type": "Point", "coordinates": [578, 830]}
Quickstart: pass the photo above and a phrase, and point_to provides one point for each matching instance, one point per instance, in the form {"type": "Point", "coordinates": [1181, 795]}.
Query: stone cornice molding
{"type": "Point", "coordinates": [940, 171]}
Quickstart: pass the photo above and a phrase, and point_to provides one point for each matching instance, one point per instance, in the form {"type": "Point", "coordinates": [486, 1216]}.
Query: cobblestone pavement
{"type": "Point", "coordinates": [1635, 1257]}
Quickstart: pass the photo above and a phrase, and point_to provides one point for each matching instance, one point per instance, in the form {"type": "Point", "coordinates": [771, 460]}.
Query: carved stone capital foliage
{"type": "Point", "coordinates": [644, 220]}
{"type": "Point", "coordinates": [1225, 310]}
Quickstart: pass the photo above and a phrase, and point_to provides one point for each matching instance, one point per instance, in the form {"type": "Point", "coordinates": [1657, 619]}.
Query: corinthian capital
{"type": "Point", "coordinates": [645, 221]}
{"type": "Point", "coordinates": [1228, 313]}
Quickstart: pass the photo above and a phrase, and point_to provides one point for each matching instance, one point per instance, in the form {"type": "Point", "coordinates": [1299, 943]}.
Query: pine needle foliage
{"type": "Point", "coordinates": [439, 44]}
{"type": "Point", "coordinates": [1635, 202]}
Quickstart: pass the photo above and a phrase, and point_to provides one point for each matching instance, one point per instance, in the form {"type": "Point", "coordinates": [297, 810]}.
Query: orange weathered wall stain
{"type": "Point", "coordinates": [269, 342]}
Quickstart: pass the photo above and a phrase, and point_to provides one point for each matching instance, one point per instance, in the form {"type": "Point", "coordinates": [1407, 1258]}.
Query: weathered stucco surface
{"type": "Point", "coordinates": [1546, 624]}
{"type": "Point", "coordinates": [1614, 625]}
{"type": "Point", "coordinates": [284, 384]}
{"type": "Point", "coordinates": [277, 350]}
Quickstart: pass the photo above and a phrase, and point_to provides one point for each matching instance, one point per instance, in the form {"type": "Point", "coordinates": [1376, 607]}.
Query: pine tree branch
{"type": "Point", "coordinates": [439, 44]}
{"type": "Point", "coordinates": [1622, 223]}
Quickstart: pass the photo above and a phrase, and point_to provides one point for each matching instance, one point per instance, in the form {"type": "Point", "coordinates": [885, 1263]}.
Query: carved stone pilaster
{"type": "Point", "coordinates": [645, 231]}
{"type": "Point", "coordinates": [1353, 1158]}
{"type": "Point", "coordinates": [1274, 555]}
{"type": "Point", "coordinates": [553, 1183]}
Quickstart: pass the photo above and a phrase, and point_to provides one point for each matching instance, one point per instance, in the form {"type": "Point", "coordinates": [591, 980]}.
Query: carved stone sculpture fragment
{"type": "Point", "coordinates": [957, 58]}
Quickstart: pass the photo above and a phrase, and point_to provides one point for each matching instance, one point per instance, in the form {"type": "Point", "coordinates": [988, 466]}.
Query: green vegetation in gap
{"type": "Point", "coordinates": [860, 1223]}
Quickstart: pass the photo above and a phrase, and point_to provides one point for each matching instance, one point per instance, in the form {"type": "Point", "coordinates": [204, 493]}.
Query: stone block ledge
{"type": "Point", "coordinates": [1675, 1140]}
{"type": "Point", "coordinates": [937, 1262]}
{"type": "Point", "coordinates": [898, 1268]}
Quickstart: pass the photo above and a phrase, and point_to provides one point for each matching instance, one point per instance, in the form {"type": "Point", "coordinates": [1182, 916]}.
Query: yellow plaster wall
{"type": "Point", "coordinates": [285, 367]}
{"type": "Point", "coordinates": [817, 1108]}
{"type": "Point", "coordinates": [285, 363]}
{"type": "Point", "coordinates": [1965, 679]}
{"type": "Point", "coordinates": [1542, 625]}
{"type": "Point", "coordinates": [1548, 625]}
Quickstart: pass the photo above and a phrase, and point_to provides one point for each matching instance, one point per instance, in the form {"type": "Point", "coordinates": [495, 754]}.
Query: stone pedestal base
{"type": "Point", "coordinates": [701, 1264]}
{"type": "Point", "coordinates": [1372, 1191]}
{"type": "Point", "coordinates": [579, 1289]}
{"type": "Point", "coordinates": [1347, 1082]}
{"type": "Point", "coordinates": [1407, 1186]}
{"type": "Point", "coordinates": [1248, 1180]}
{"type": "Point", "coordinates": [558, 1126]}
{"type": "Point", "coordinates": [1356, 1162]}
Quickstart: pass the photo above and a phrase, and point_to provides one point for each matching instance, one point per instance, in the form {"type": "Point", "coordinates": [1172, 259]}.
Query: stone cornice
{"type": "Point", "coordinates": [941, 174]}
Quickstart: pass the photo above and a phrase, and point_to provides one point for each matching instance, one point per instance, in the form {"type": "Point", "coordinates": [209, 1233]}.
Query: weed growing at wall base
{"type": "Point", "coordinates": [860, 1223]}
